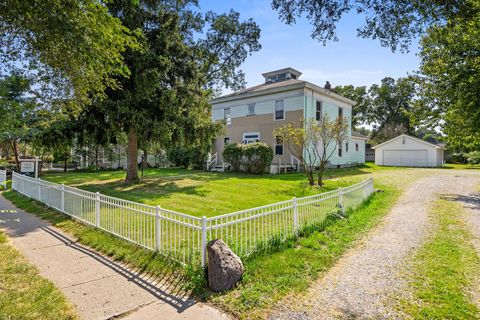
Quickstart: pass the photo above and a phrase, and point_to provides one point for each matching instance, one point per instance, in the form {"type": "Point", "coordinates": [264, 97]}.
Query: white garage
{"type": "Point", "coordinates": [407, 151]}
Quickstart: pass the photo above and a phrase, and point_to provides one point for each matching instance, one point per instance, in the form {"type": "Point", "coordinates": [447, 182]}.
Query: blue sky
{"type": "Point", "coordinates": [351, 60]}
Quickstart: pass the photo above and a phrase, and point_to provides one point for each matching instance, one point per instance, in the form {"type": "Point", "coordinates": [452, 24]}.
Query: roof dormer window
{"type": "Point", "coordinates": [281, 75]}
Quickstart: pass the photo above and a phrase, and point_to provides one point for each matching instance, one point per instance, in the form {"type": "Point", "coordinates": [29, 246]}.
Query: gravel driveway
{"type": "Point", "coordinates": [359, 285]}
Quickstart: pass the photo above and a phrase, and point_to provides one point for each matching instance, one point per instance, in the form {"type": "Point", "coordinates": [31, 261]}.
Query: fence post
{"type": "Point", "coordinates": [340, 200]}
{"type": "Point", "coordinates": [97, 209]}
{"type": "Point", "coordinates": [295, 216]}
{"type": "Point", "coordinates": [39, 190]}
{"type": "Point", "coordinates": [158, 231]}
{"type": "Point", "coordinates": [62, 198]}
{"type": "Point", "coordinates": [204, 241]}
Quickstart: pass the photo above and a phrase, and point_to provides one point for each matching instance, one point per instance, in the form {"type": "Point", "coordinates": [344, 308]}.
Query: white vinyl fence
{"type": "Point", "coordinates": [184, 237]}
{"type": "Point", "coordinates": [3, 178]}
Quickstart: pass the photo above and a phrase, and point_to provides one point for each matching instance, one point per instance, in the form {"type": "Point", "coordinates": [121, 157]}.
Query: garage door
{"type": "Point", "coordinates": [408, 158]}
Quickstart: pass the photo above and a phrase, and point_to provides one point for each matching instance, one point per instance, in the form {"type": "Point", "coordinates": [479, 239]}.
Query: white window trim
{"type": "Point", "coordinates": [248, 134]}
{"type": "Point", "coordinates": [275, 110]}
{"type": "Point", "coordinates": [321, 109]}
{"type": "Point", "coordinates": [248, 109]}
{"type": "Point", "coordinates": [228, 120]}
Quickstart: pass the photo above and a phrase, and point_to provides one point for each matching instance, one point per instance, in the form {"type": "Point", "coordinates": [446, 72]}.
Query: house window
{"type": "Point", "coordinates": [340, 112]}
{"type": "Point", "coordinates": [318, 111]}
{"type": "Point", "coordinates": [226, 141]}
{"type": "Point", "coordinates": [403, 140]}
{"type": "Point", "coordinates": [340, 151]}
{"type": "Point", "coordinates": [227, 117]}
{"type": "Point", "coordinates": [278, 146]}
{"type": "Point", "coordinates": [356, 146]}
{"type": "Point", "coordinates": [279, 110]}
{"type": "Point", "coordinates": [346, 147]}
{"type": "Point", "coordinates": [251, 109]}
{"type": "Point", "coordinates": [251, 137]}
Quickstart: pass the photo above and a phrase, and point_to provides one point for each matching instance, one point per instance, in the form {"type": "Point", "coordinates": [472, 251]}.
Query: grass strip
{"type": "Point", "coordinates": [24, 294]}
{"type": "Point", "coordinates": [444, 269]}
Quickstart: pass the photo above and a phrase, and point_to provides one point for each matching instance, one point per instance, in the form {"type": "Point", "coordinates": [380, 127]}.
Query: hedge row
{"type": "Point", "coordinates": [252, 157]}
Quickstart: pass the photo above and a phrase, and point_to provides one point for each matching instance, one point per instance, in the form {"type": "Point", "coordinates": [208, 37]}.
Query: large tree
{"type": "Point", "coordinates": [72, 47]}
{"type": "Point", "coordinates": [391, 108]}
{"type": "Point", "coordinates": [394, 23]}
{"type": "Point", "coordinates": [18, 112]}
{"type": "Point", "coordinates": [451, 66]}
{"type": "Point", "coordinates": [362, 99]}
{"type": "Point", "coordinates": [184, 54]}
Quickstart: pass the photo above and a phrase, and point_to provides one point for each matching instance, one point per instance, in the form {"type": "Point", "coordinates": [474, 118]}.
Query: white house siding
{"type": "Point", "coordinates": [293, 100]}
{"type": "Point", "coordinates": [357, 156]}
{"type": "Point", "coordinates": [413, 153]}
{"type": "Point", "coordinates": [298, 103]}
{"type": "Point", "coordinates": [330, 108]}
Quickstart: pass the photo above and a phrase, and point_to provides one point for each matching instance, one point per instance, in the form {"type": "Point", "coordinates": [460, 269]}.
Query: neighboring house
{"type": "Point", "coordinates": [408, 151]}
{"type": "Point", "coordinates": [252, 114]}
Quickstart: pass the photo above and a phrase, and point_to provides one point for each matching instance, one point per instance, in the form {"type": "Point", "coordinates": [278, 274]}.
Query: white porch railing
{"type": "Point", "coordinates": [3, 178]}
{"type": "Point", "coordinates": [183, 237]}
{"type": "Point", "coordinates": [212, 160]}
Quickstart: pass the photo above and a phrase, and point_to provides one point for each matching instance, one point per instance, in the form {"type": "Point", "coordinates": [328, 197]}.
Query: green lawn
{"type": "Point", "coordinates": [207, 193]}
{"type": "Point", "coordinates": [24, 294]}
{"type": "Point", "coordinates": [443, 272]}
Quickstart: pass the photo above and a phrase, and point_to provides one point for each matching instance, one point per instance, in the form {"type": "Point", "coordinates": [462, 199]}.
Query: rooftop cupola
{"type": "Point", "coordinates": [281, 75]}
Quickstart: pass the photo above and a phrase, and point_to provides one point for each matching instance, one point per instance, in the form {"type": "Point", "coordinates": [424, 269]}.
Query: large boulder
{"type": "Point", "coordinates": [224, 267]}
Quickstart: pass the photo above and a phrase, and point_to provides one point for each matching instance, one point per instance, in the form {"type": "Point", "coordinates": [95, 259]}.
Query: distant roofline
{"type": "Point", "coordinates": [406, 135]}
{"type": "Point", "coordinates": [286, 87]}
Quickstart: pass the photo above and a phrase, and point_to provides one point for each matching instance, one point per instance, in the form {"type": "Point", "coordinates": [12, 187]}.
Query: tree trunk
{"type": "Point", "coordinates": [65, 165]}
{"type": "Point", "coordinates": [145, 160]}
{"type": "Point", "coordinates": [132, 156]}
{"type": "Point", "coordinates": [320, 173]}
{"type": "Point", "coordinates": [15, 153]}
{"type": "Point", "coordinates": [96, 158]}
{"type": "Point", "coordinates": [308, 172]}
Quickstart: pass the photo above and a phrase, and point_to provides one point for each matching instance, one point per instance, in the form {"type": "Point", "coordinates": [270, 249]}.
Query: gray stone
{"type": "Point", "coordinates": [224, 267]}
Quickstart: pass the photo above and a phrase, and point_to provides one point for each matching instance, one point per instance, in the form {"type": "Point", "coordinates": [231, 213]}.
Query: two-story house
{"type": "Point", "coordinates": [251, 115]}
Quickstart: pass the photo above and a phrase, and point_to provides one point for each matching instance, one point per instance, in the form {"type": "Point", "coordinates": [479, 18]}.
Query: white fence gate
{"type": "Point", "coordinates": [184, 237]}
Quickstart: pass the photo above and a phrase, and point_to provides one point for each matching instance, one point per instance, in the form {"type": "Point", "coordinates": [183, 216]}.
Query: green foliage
{"type": "Point", "coordinates": [254, 157]}
{"type": "Point", "coordinates": [314, 142]}
{"type": "Point", "coordinates": [75, 46]}
{"type": "Point", "coordinates": [165, 100]}
{"type": "Point", "coordinates": [193, 157]}
{"type": "Point", "coordinates": [395, 24]}
{"type": "Point", "coordinates": [473, 157]}
{"type": "Point", "coordinates": [362, 99]}
{"type": "Point", "coordinates": [450, 63]}
{"type": "Point", "coordinates": [19, 112]}
{"type": "Point", "coordinates": [257, 157]}
{"type": "Point", "coordinates": [233, 154]}
{"type": "Point", "coordinates": [391, 107]}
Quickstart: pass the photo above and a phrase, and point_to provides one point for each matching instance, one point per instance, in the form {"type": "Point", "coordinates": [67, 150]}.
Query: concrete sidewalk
{"type": "Point", "coordinates": [98, 287]}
